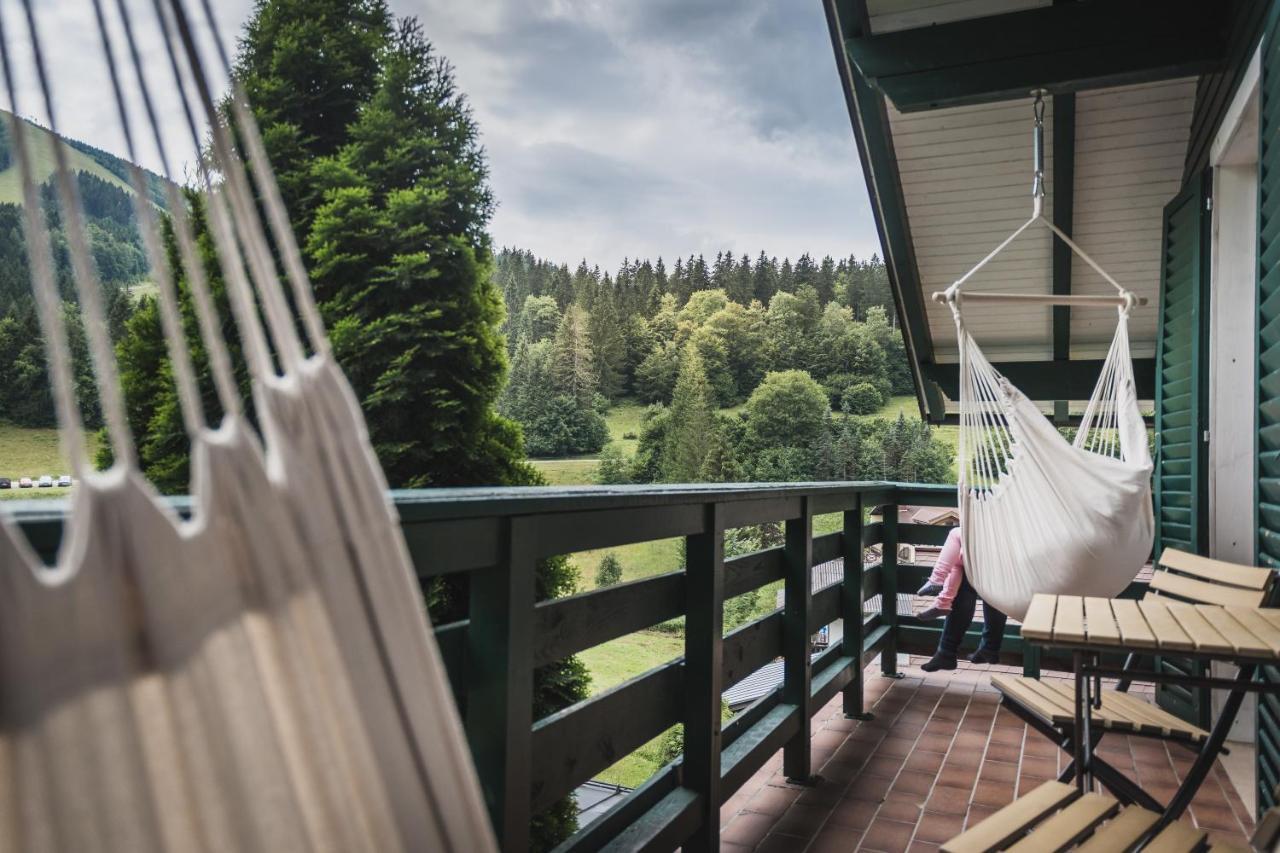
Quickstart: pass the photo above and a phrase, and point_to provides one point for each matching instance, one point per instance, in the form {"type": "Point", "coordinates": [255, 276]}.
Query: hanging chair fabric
{"type": "Point", "coordinates": [1039, 513]}
{"type": "Point", "coordinates": [260, 676]}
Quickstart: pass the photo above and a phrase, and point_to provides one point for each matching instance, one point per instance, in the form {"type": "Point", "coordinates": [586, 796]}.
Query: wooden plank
{"type": "Point", "coordinates": [1122, 832]}
{"type": "Point", "coordinates": [1205, 593]}
{"type": "Point", "coordinates": [1177, 837]}
{"type": "Point", "coordinates": [1069, 825]}
{"type": "Point", "coordinates": [704, 657]}
{"type": "Point", "coordinates": [1038, 625]}
{"type": "Point", "coordinates": [1199, 630]}
{"type": "Point", "coordinates": [1012, 820]}
{"type": "Point", "coordinates": [1169, 636]}
{"type": "Point", "coordinates": [1258, 625]}
{"type": "Point", "coordinates": [1022, 691]}
{"type": "Point", "coordinates": [1068, 621]}
{"type": "Point", "coordinates": [1216, 571]}
{"type": "Point", "coordinates": [1245, 641]}
{"type": "Point", "coordinates": [1100, 622]}
{"type": "Point", "coordinates": [1134, 630]}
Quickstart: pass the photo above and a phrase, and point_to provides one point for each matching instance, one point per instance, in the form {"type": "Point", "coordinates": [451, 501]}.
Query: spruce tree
{"type": "Point", "coordinates": [400, 261]}
{"type": "Point", "coordinates": [692, 421]}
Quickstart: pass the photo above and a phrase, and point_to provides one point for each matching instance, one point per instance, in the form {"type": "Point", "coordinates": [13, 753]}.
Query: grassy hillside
{"type": "Point", "coordinates": [42, 142]}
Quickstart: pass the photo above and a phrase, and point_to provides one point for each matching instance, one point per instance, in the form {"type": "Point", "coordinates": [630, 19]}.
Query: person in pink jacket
{"type": "Point", "coordinates": [944, 580]}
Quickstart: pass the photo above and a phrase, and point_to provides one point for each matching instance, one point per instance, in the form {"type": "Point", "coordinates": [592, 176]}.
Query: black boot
{"type": "Point", "coordinates": [929, 589]}
{"type": "Point", "coordinates": [939, 661]}
{"type": "Point", "coordinates": [984, 656]}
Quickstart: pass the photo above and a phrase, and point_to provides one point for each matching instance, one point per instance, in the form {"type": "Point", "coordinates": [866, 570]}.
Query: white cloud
{"type": "Point", "coordinates": [613, 128]}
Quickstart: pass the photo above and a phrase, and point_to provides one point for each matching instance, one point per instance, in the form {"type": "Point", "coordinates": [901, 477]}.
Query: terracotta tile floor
{"type": "Point", "coordinates": [939, 755]}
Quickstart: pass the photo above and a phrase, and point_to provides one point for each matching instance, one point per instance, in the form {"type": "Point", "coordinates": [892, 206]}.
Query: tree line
{"type": "Point", "coordinates": [807, 350]}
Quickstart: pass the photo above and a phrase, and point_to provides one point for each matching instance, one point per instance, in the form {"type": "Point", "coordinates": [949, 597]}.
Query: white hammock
{"type": "Point", "coordinates": [1039, 514]}
{"type": "Point", "coordinates": [258, 678]}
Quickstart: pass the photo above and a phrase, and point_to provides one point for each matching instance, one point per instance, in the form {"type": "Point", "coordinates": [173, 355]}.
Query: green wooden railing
{"type": "Point", "coordinates": [497, 536]}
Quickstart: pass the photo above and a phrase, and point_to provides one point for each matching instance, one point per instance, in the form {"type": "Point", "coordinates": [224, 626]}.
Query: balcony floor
{"type": "Point", "coordinates": [939, 755]}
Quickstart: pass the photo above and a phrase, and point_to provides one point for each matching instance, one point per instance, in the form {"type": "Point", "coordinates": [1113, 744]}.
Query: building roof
{"type": "Point", "coordinates": [938, 94]}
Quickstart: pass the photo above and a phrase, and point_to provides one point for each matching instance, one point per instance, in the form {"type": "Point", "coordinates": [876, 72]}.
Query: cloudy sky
{"type": "Point", "coordinates": [614, 128]}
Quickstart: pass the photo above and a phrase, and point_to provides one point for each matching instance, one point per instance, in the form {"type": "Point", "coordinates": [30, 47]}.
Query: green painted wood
{"type": "Point", "coordinates": [500, 684]}
{"type": "Point", "coordinates": [575, 744]}
{"type": "Point", "coordinates": [1216, 88]}
{"type": "Point", "coordinates": [851, 601]}
{"type": "Point", "coordinates": [1067, 47]}
{"type": "Point", "coordinates": [1064, 178]}
{"type": "Point", "coordinates": [1267, 402]}
{"type": "Point", "coordinates": [595, 835]}
{"type": "Point", "coordinates": [1047, 380]}
{"type": "Point", "coordinates": [751, 646]}
{"type": "Point", "coordinates": [1181, 476]}
{"type": "Point", "coordinates": [889, 589]}
{"type": "Point", "coordinates": [662, 827]}
{"type": "Point", "coordinates": [703, 654]}
{"type": "Point", "coordinates": [797, 673]}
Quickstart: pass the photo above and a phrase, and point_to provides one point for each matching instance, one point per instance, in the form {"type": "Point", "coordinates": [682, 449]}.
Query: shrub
{"type": "Point", "coordinates": [609, 572]}
{"type": "Point", "coordinates": [614, 470]}
{"type": "Point", "coordinates": [862, 398]}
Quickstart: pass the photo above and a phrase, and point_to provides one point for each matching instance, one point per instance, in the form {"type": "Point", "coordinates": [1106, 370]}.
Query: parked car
{"type": "Point", "coordinates": [25, 483]}
{"type": "Point", "coordinates": [46, 482]}
{"type": "Point", "coordinates": [5, 483]}
{"type": "Point", "coordinates": [64, 480]}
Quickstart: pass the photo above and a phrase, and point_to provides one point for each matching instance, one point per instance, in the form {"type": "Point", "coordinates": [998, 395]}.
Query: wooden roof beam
{"type": "Point", "coordinates": [1062, 48]}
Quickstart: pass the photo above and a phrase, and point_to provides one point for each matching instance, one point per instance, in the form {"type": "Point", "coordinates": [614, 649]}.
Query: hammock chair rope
{"type": "Point", "coordinates": [1039, 514]}
{"type": "Point", "coordinates": [261, 676]}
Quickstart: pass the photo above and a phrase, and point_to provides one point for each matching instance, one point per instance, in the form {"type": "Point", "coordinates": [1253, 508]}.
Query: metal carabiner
{"type": "Point", "coordinates": [1037, 144]}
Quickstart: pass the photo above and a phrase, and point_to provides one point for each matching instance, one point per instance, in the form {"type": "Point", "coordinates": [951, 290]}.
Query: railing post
{"type": "Point", "coordinates": [797, 667]}
{"type": "Point", "coordinates": [703, 654]}
{"type": "Point", "coordinates": [500, 683]}
{"type": "Point", "coordinates": [851, 600]}
{"type": "Point", "coordinates": [889, 590]}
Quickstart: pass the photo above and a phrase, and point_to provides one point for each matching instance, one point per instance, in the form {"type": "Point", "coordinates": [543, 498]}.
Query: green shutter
{"type": "Point", "coordinates": [1181, 387]}
{"type": "Point", "coordinates": [1182, 407]}
{"type": "Point", "coordinates": [1268, 402]}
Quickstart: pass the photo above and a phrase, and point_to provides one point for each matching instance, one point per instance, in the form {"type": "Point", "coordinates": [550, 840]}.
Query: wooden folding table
{"type": "Point", "coordinates": [1248, 637]}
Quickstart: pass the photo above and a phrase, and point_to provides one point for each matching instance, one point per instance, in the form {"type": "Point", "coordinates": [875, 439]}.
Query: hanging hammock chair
{"type": "Point", "coordinates": [258, 677]}
{"type": "Point", "coordinates": [1039, 513]}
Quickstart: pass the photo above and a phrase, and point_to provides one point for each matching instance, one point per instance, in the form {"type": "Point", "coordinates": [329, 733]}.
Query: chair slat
{"type": "Point", "coordinates": [1167, 632]}
{"type": "Point", "coordinates": [1012, 820]}
{"type": "Point", "coordinates": [1206, 638]}
{"type": "Point", "coordinates": [1134, 630]}
{"type": "Point", "coordinates": [1068, 622]}
{"type": "Point", "coordinates": [1177, 837]}
{"type": "Point", "coordinates": [1121, 833]}
{"type": "Point", "coordinates": [1068, 826]}
{"type": "Point", "coordinates": [1234, 631]}
{"type": "Point", "coordinates": [1100, 622]}
{"type": "Point", "coordinates": [1217, 571]}
{"type": "Point", "coordinates": [1201, 592]}
{"type": "Point", "coordinates": [1039, 622]}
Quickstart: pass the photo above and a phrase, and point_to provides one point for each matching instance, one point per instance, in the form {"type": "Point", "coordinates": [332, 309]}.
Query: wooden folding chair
{"type": "Point", "coordinates": [1056, 816]}
{"type": "Point", "coordinates": [1048, 705]}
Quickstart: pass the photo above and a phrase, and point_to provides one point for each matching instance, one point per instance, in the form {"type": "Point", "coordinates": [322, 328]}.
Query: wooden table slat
{"type": "Point", "coordinates": [1068, 621]}
{"type": "Point", "coordinates": [1134, 630]}
{"type": "Point", "coordinates": [1169, 635]}
{"type": "Point", "coordinates": [1206, 638]}
{"type": "Point", "coordinates": [1218, 571]}
{"type": "Point", "coordinates": [1038, 624]}
{"type": "Point", "coordinates": [1235, 632]}
{"type": "Point", "coordinates": [1258, 625]}
{"type": "Point", "coordinates": [1100, 622]}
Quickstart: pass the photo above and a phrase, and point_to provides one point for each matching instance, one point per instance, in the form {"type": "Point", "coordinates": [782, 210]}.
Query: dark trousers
{"type": "Point", "coordinates": [961, 616]}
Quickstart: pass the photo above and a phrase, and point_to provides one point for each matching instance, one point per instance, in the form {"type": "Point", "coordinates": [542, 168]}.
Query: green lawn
{"type": "Point", "coordinates": [574, 471]}
{"type": "Point", "coordinates": [615, 662]}
{"type": "Point", "coordinates": [28, 452]}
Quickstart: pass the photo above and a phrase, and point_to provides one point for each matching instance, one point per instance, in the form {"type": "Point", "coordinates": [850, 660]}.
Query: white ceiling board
{"type": "Point", "coordinates": [891, 15]}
